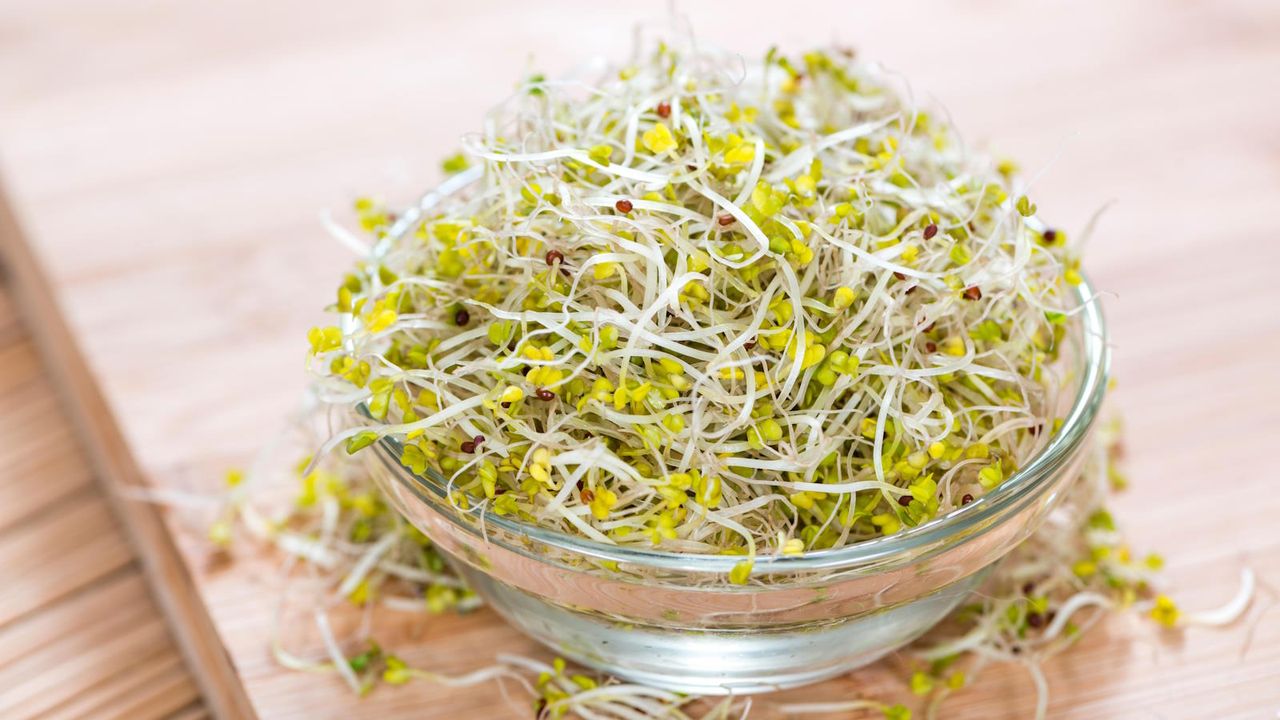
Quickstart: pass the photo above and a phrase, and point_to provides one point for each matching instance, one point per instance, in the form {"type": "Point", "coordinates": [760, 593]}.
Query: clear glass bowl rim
{"type": "Point", "coordinates": [1042, 467]}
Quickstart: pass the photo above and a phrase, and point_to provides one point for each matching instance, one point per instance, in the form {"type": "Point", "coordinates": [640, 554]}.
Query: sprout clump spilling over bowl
{"type": "Point", "coordinates": [708, 307]}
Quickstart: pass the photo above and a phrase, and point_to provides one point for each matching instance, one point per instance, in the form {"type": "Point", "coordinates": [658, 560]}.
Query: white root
{"type": "Point", "coordinates": [1232, 610]}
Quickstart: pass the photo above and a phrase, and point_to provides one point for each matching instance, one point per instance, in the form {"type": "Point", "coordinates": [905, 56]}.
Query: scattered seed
{"type": "Point", "coordinates": [973, 292]}
{"type": "Point", "coordinates": [468, 446]}
{"type": "Point", "coordinates": [1050, 236]}
{"type": "Point", "coordinates": [544, 394]}
{"type": "Point", "coordinates": [587, 496]}
{"type": "Point", "coordinates": [623, 206]}
{"type": "Point", "coordinates": [725, 220]}
{"type": "Point", "coordinates": [461, 318]}
{"type": "Point", "coordinates": [930, 231]}
{"type": "Point", "coordinates": [904, 500]}
{"type": "Point", "coordinates": [930, 346]}
{"type": "Point", "coordinates": [966, 499]}
{"type": "Point", "coordinates": [1035, 620]}
{"type": "Point", "coordinates": [555, 256]}
{"type": "Point", "coordinates": [664, 109]}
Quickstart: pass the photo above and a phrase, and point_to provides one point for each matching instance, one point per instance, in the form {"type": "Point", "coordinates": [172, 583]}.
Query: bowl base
{"type": "Point", "coordinates": [719, 661]}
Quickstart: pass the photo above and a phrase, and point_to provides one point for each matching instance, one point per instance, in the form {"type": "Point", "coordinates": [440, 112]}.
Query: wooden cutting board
{"type": "Point", "coordinates": [167, 163]}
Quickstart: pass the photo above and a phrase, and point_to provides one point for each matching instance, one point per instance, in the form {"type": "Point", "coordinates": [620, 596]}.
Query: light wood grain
{"type": "Point", "coordinates": [171, 189]}
{"type": "Point", "coordinates": [170, 579]}
{"type": "Point", "coordinates": [79, 634]}
{"type": "Point", "coordinates": [46, 466]}
{"type": "Point", "coordinates": [115, 599]}
{"type": "Point", "coordinates": [71, 544]}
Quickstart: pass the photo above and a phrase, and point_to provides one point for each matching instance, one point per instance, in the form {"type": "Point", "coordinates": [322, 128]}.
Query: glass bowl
{"type": "Point", "coordinates": [670, 620]}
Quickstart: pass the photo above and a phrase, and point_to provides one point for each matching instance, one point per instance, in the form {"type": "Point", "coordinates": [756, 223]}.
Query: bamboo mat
{"type": "Point", "coordinates": [80, 636]}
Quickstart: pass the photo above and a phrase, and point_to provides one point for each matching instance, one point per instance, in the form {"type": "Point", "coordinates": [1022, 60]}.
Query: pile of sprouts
{"type": "Point", "coordinates": [709, 306]}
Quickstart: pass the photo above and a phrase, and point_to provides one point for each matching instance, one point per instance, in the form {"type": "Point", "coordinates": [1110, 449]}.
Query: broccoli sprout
{"type": "Point", "coordinates": [683, 306]}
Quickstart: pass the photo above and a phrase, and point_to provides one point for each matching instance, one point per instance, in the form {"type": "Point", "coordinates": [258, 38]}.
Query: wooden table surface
{"type": "Point", "coordinates": [168, 161]}
{"type": "Point", "coordinates": [79, 634]}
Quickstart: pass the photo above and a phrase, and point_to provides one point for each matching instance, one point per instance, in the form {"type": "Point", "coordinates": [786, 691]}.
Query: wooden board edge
{"type": "Point", "coordinates": [115, 466]}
